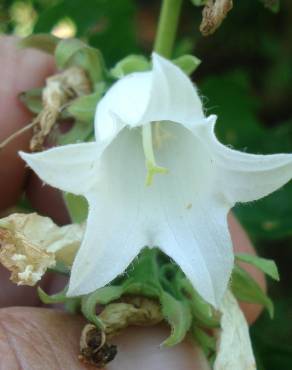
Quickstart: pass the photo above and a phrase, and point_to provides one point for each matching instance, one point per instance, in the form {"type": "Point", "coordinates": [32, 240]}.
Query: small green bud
{"type": "Point", "coordinates": [65, 49]}
{"type": "Point", "coordinates": [132, 63]}
{"type": "Point", "coordinates": [188, 63]}
{"type": "Point", "coordinates": [91, 60]}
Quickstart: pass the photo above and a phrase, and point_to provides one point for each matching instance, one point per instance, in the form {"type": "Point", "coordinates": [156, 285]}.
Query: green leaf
{"type": "Point", "coordinates": [83, 108]}
{"type": "Point", "coordinates": [80, 132]}
{"type": "Point", "coordinates": [199, 2]}
{"type": "Point", "coordinates": [179, 317]}
{"type": "Point", "coordinates": [188, 63]}
{"type": "Point", "coordinates": [132, 63]}
{"type": "Point", "coordinates": [54, 298]}
{"type": "Point", "coordinates": [72, 306]}
{"type": "Point", "coordinates": [273, 5]}
{"type": "Point", "coordinates": [267, 266]}
{"type": "Point", "coordinates": [107, 294]}
{"type": "Point", "coordinates": [65, 49]}
{"type": "Point", "coordinates": [142, 275]}
{"type": "Point", "coordinates": [33, 100]}
{"type": "Point", "coordinates": [77, 207]}
{"type": "Point", "coordinates": [109, 25]}
{"type": "Point", "coordinates": [230, 98]}
{"type": "Point", "coordinates": [203, 313]}
{"type": "Point", "coordinates": [42, 41]}
{"type": "Point", "coordinates": [246, 289]}
{"type": "Point", "coordinates": [91, 60]}
{"type": "Point", "coordinates": [100, 296]}
{"type": "Point", "coordinates": [206, 341]}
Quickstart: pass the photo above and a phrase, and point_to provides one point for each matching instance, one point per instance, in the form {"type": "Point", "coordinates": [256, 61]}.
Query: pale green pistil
{"type": "Point", "coordinates": [152, 167]}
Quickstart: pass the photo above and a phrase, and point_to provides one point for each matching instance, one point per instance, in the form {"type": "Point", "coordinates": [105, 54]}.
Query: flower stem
{"type": "Point", "coordinates": [167, 27]}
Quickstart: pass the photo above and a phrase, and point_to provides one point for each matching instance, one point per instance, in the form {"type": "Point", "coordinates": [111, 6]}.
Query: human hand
{"type": "Point", "coordinates": [36, 338]}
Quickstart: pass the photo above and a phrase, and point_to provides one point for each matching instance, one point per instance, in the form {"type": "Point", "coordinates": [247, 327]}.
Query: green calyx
{"type": "Point", "coordinates": [153, 276]}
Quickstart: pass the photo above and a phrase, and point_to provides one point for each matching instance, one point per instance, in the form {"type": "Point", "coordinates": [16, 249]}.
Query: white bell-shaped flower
{"type": "Point", "coordinates": [184, 210]}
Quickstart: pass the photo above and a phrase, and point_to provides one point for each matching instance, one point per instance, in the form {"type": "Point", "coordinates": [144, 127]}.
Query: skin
{"type": "Point", "coordinates": [32, 336]}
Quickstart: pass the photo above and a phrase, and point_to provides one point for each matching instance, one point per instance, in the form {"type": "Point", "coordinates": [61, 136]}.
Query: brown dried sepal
{"type": "Point", "coordinates": [60, 89]}
{"type": "Point", "coordinates": [26, 262]}
{"type": "Point", "coordinates": [214, 13]}
{"type": "Point", "coordinates": [94, 350]}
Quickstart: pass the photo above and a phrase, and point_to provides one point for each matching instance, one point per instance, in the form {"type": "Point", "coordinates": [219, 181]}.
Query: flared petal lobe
{"type": "Point", "coordinates": [163, 94]}
{"type": "Point", "coordinates": [114, 234]}
{"type": "Point", "coordinates": [245, 177]}
{"type": "Point", "coordinates": [71, 168]}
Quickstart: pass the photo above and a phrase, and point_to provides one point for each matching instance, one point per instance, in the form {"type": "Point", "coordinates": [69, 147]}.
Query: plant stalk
{"type": "Point", "coordinates": [167, 27]}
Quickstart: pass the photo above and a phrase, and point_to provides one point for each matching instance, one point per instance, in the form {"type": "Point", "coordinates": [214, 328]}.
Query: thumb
{"type": "Point", "coordinates": [36, 338]}
{"type": "Point", "coordinates": [20, 70]}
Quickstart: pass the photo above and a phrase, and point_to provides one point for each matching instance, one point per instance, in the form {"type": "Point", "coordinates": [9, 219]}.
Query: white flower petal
{"type": "Point", "coordinates": [164, 94]}
{"type": "Point", "coordinates": [235, 350]}
{"type": "Point", "coordinates": [71, 168]}
{"type": "Point", "coordinates": [173, 96]}
{"type": "Point", "coordinates": [246, 177]}
{"type": "Point", "coordinates": [180, 212]}
{"type": "Point", "coordinates": [193, 225]}
{"type": "Point", "coordinates": [113, 237]}
{"type": "Point", "coordinates": [126, 100]}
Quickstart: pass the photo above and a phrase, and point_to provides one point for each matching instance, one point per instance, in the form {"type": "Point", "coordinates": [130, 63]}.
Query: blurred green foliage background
{"type": "Point", "coordinates": [245, 77]}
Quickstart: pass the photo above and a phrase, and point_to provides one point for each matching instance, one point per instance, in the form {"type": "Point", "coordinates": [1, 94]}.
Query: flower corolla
{"type": "Point", "coordinates": [153, 123]}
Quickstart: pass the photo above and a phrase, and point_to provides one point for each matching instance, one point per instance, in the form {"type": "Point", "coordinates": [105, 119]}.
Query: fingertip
{"type": "Point", "coordinates": [139, 348]}
{"type": "Point", "coordinates": [20, 70]}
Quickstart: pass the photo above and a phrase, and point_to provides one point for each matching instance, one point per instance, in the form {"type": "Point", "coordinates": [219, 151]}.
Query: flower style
{"type": "Point", "coordinates": [184, 211]}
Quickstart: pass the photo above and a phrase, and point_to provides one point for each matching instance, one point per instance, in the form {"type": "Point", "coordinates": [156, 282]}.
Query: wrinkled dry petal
{"type": "Point", "coordinates": [138, 311]}
{"type": "Point", "coordinates": [133, 311]}
{"type": "Point", "coordinates": [59, 90]}
{"type": "Point", "coordinates": [30, 244]}
{"type": "Point", "coordinates": [234, 349]}
{"type": "Point", "coordinates": [214, 13]}
{"type": "Point", "coordinates": [26, 261]}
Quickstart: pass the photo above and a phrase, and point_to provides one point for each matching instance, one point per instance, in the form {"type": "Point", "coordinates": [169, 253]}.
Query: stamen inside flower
{"type": "Point", "coordinates": [152, 167]}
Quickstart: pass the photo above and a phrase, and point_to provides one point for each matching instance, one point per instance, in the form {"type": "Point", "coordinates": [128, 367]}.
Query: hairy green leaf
{"type": "Point", "coordinates": [269, 267]}
{"type": "Point", "coordinates": [246, 289]}
{"type": "Point", "coordinates": [179, 317]}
